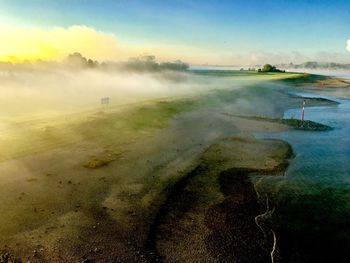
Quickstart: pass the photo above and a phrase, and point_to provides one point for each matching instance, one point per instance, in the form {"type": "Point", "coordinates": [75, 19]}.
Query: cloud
{"type": "Point", "coordinates": [348, 46]}
{"type": "Point", "coordinates": [21, 43]}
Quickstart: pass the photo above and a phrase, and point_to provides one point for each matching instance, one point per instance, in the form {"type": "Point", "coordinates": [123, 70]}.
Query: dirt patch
{"type": "Point", "coordinates": [96, 162]}
{"type": "Point", "coordinates": [234, 235]}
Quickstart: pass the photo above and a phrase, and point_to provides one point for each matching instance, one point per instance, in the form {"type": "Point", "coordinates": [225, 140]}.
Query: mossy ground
{"type": "Point", "coordinates": [305, 125]}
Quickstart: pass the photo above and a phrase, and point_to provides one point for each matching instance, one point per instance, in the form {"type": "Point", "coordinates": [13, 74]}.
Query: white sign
{"type": "Point", "coordinates": [105, 100]}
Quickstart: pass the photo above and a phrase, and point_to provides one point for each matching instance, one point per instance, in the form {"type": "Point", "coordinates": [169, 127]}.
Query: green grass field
{"type": "Point", "coordinates": [253, 74]}
{"type": "Point", "coordinates": [102, 127]}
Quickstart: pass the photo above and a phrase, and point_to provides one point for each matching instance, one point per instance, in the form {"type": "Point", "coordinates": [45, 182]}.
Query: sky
{"type": "Point", "coordinates": [225, 32]}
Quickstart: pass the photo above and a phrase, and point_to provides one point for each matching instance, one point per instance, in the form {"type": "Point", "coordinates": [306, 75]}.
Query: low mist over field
{"type": "Point", "coordinates": [78, 84]}
{"type": "Point", "coordinates": [63, 90]}
{"type": "Point", "coordinates": [42, 89]}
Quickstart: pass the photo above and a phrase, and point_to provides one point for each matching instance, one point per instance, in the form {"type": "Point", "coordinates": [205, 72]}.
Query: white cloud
{"type": "Point", "coordinates": [23, 43]}
{"type": "Point", "coordinates": [348, 46]}
{"type": "Point", "coordinates": [20, 43]}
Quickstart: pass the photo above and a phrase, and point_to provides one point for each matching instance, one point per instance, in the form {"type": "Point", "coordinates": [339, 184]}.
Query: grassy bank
{"type": "Point", "coordinates": [247, 74]}
{"type": "Point", "coordinates": [316, 81]}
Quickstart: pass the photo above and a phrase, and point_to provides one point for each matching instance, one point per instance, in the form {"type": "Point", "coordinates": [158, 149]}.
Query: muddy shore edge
{"type": "Point", "coordinates": [214, 213]}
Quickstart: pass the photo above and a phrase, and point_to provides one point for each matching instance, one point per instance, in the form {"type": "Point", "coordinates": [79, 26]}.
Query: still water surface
{"type": "Point", "coordinates": [312, 200]}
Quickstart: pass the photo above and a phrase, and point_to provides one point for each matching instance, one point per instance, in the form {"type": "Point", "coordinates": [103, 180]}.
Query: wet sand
{"type": "Point", "coordinates": [211, 214]}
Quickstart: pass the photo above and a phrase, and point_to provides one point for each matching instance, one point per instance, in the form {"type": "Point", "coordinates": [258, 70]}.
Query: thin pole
{"type": "Point", "coordinates": [303, 110]}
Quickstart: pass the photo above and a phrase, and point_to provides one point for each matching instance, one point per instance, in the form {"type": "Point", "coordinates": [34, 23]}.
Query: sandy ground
{"type": "Point", "coordinates": [213, 217]}
{"type": "Point", "coordinates": [54, 209]}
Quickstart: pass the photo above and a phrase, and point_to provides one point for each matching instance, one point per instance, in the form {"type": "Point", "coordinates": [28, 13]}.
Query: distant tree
{"type": "Point", "coordinates": [142, 63]}
{"type": "Point", "coordinates": [269, 68]}
{"type": "Point", "coordinates": [311, 64]}
{"type": "Point", "coordinates": [149, 63]}
{"type": "Point", "coordinates": [76, 59]}
{"type": "Point", "coordinates": [92, 64]}
{"type": "Point", "coordinates": [176, 65]}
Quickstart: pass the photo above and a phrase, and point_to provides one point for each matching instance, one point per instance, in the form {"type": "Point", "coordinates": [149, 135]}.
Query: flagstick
{"type": "Point", "coordinates": [302, 111]}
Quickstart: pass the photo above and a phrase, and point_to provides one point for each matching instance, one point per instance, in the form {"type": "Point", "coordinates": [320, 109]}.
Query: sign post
{"type": "Point", "coordinates": [104, 101]}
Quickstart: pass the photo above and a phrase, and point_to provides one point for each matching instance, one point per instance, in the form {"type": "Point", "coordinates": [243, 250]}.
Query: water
{"type": "Point", "coordinates": [321, 157]}
{"type": "Point", "coordinates": [312, 200]}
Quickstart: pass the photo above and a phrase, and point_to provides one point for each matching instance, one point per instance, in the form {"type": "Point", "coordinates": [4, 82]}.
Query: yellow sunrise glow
{"type": "Point", "coordinates": [20, 44]}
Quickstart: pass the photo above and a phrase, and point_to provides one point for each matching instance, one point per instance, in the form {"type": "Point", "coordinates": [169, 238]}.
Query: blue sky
{"type": "Point", "coordinates": [234, 30]}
